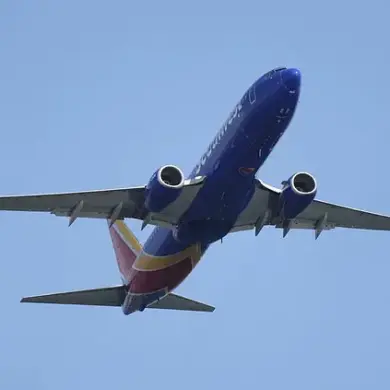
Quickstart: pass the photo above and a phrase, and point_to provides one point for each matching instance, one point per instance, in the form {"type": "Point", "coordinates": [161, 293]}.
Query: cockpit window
{"type": "Point", "coordinates": [269, 74]}
{"type": "Point", "coordinates": [279, 69]}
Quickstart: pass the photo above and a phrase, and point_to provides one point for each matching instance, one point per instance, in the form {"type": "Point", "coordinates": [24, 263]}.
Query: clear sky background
{"type": "Point", "coordinates": [97, 94]}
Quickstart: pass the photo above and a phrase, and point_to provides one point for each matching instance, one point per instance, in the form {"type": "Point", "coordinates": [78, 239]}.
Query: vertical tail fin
{"type": "Point", "coordinates": [126, 247]}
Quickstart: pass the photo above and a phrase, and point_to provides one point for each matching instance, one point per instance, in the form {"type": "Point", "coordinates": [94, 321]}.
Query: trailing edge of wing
{"type": "Point", "coordinates": [109, 296]}
{"type": "Point", "coordinates": [177, 302]}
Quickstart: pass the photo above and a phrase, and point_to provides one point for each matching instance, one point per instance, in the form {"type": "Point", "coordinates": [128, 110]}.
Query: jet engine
{"type": "Point", "coordinates": [297, 193]}
{"type": "Point", "coordinates": [164, 187]}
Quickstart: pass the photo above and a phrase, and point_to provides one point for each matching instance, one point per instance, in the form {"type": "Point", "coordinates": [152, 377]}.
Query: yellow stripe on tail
{"type": "Point", "coordinates": [126, 247]}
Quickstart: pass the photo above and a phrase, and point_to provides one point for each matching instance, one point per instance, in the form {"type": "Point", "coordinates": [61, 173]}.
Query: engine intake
{"type": "Point", "coordinates": [170, 176]}
{"type": "Point", "coordinates": [297, 193]}
{"type": "Point", "coordinates": [164, 187]}
{"type": "Point", "coordinates": [303, 183]}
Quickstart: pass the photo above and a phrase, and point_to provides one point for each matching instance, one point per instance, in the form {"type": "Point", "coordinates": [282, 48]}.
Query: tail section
{"type": "Point", "coordinates": [126, 247]}
{"type": "Point", "coordinates": [115, 296]}
{"type": "Point", "coordinates": [108, 296]}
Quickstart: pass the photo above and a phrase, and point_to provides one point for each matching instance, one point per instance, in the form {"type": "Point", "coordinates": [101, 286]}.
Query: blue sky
{"type": "Point", "coordinates": [96, 95]}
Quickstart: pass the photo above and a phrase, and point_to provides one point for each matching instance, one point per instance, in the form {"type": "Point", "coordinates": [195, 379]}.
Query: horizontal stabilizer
{"type": "Point", "coordinates": [109, 296]}
{"type": "Point", "coordinates": [115, 296]}
{"type": "Point", "coordinates": [177, 302]}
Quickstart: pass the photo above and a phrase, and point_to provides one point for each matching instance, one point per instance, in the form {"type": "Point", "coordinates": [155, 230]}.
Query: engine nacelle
{"type": "Point", "coordinates": [297, 193]}
{"type": "Point", "coordinates": [164, 187]}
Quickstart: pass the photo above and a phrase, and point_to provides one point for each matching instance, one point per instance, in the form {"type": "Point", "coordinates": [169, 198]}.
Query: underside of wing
{"type": "Point", "coordinates": [177, 302]}
{"type": "Point", "coordinates": [97, 204]}
{"type": "Point", "coordinates": [345, 217]}
{"type": "Point", "coordinates": [111, 204]}
{"type": "Point", "coordinates": [264, 210]}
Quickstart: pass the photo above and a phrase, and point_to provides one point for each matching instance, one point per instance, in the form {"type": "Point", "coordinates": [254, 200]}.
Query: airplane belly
{"type": "Point", "coordinates": [169, 277]}
{"type": "Point", "coordinates": [205, 231]}
{"type": "Point", "coordinates": [214, 212]}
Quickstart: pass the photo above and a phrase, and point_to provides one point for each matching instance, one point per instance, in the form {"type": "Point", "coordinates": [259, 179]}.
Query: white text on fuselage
{"type": "Point", "coordinates": [234, 114]}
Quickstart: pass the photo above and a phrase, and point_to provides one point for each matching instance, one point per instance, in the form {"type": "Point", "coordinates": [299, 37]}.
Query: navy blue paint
{"type": "Point", "coordinates": [256, 123]}
{"type": "Point", "coordinates": [157, 196]}
{"type": "Point", "coordinates": [291, 203]}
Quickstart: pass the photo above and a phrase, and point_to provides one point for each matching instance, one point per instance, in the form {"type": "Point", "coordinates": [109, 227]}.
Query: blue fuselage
{"type": "Point", "coordinates": [230, 163]}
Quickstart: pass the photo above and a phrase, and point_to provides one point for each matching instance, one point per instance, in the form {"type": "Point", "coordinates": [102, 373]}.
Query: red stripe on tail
{"type": "Point", "coordinates": [126, 248]}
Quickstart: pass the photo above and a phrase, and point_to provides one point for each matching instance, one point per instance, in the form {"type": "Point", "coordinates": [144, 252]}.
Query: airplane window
{"type": "Point", "coordinates": [279, 68]}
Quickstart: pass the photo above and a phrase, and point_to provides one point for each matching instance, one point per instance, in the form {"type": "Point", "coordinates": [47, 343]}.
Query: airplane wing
{"type": "Point", "coordinates": [318, 216]}
{"type": "Point", "coordinates": [109, 204]}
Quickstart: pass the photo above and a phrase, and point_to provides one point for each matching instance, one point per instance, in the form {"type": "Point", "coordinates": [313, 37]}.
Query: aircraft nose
{"type": "Point", "coordinates": [291, 79]}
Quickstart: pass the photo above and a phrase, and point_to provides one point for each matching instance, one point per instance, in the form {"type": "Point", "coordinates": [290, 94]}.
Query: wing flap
{"type": "Point", "coordinates": [177, 302]}
{"type": "Point", "coordinates": [109, 296]}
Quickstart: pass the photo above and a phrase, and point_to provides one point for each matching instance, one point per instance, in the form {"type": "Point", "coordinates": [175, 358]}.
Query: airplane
{"type": "Point", "coordinates": [222, 195]}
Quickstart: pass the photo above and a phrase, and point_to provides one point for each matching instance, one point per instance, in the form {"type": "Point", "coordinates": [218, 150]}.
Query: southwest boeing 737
{"type": "Point", "coordinates": [221, 195]}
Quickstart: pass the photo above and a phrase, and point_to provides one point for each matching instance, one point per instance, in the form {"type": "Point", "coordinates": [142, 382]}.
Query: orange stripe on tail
{"type": "Point", "coordinates": [126, 247]}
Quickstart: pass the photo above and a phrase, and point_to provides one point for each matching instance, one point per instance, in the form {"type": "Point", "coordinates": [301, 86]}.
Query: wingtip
{"type": "Point", "coordinates": [27, 299]}
{"type": "Point", "coordinates": [209, 309]}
